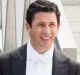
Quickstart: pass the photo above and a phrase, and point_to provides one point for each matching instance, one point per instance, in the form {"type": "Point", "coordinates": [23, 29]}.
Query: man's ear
{"type": "Point", "coordinates": [58, 26]}
{"type": "Point", "coordinates": [27, 26]}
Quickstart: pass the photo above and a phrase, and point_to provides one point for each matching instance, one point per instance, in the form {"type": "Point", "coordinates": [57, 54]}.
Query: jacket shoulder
{"type": "Point", "coordinates": [74, 67]}
{"type": "Point", "coordinates": [7, 54]}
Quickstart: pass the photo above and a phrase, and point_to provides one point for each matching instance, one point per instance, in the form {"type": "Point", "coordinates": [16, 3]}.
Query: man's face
{"type": "Point", "coordinates": [43, 31]}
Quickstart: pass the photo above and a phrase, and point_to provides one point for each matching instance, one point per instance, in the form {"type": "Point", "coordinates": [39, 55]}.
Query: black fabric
{"type": "Point", "coordinates": [14, 63]}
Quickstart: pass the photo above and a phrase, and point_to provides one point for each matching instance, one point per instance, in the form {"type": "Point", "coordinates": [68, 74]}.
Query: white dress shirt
{"type": "Point", "coordinates": [38, 64]}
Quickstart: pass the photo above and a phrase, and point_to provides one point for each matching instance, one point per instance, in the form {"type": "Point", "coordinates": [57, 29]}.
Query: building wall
{"type": "Point", "coordinates": [72, 10]}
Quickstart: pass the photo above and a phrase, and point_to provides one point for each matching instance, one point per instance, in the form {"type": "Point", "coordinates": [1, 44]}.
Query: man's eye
{"type": "Point", "coordinates": [42, 25]}
{"type": "Point", "coordinates": [52, 24]}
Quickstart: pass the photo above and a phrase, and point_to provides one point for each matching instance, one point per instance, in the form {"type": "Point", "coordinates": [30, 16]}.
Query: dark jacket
{"type": "Point", "coordinates": [14, 63]}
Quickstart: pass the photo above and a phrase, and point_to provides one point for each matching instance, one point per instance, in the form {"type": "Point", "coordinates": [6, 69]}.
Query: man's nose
{"type": "Point", "coordinates": [47, 30]}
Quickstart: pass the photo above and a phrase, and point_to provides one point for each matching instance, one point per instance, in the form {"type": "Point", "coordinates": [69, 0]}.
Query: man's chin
{"type": "Point", "coordinates": [46, 45]}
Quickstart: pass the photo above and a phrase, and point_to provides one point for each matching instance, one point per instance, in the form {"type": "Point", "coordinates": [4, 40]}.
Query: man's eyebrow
{"type": "Point", "coordinates": [51, 22]}
{"type": "Point", "coordinates": [44, 22]}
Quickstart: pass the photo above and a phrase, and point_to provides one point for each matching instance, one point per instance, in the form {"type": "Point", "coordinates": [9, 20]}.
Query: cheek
{"type": "Point", "coordinates": [55, 29]}
{"type": "Point", "coordinates": [33, 33]}
{"type": "Point", "coordinates": [54, 32]}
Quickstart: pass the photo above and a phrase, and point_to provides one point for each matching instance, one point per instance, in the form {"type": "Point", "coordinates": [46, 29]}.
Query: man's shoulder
{"type": "Point", "coordinates": [74, 67]}
{"type": "Point", "coordinates": [60, 55]}
{"type": "Point", "coordinates": [15, 52]}
{"type": "Point", "coordinates": [74, 64]}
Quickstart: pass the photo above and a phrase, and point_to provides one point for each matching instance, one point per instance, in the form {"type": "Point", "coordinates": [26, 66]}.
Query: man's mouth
{"type": "Point", "coordinates": [46, 38]}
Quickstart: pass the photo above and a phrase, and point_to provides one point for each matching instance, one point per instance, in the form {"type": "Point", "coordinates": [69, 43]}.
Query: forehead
{"type": "Point", "coordinates": [40, 14]}
{"type": "Point", "coordinates": [45, 16]}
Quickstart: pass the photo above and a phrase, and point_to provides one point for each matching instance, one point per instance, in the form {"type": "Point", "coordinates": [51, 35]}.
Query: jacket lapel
{"type": "Point", "coordinates": [18, 60]}
{"type": "Point", "coordinates": [60, 63]}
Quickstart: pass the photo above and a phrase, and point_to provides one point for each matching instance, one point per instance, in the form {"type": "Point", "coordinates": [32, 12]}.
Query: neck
{"type": "Point", "coordinates": [41, 50]}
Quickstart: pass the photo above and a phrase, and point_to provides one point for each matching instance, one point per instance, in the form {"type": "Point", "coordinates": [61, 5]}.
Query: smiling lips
{"type": "Point", "coordinates": [46, 38]}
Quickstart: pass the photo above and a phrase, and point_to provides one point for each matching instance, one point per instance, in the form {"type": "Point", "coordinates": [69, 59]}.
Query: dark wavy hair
{"type": "Point", "coordinates": [41, 6]}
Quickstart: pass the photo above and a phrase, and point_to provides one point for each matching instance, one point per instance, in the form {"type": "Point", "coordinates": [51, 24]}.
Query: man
{"type": "Point", "coordinates": [39, 56]}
